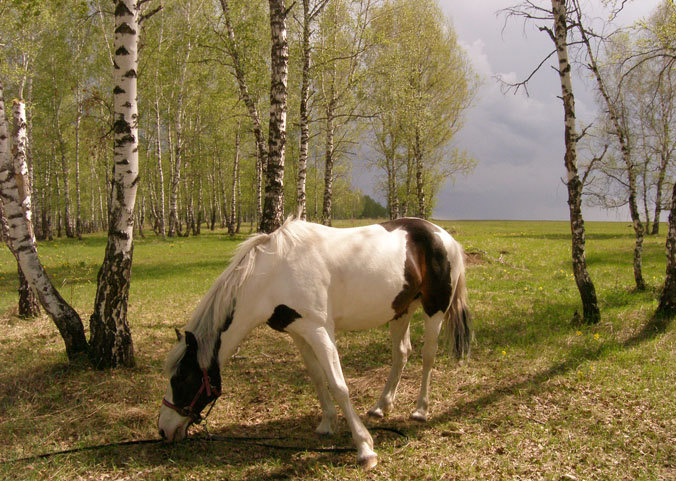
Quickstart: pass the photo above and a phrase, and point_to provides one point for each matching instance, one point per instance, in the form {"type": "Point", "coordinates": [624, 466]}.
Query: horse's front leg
{"type": "Point", "coordinates": [329, 414]}
{"type": "Point", "coordinates": [401, 348]}
{"type": "Point", "coordinates": [324, 348]}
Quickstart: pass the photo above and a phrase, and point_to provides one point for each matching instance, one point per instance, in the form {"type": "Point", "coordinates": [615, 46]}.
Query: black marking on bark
{"type": "Point", "coordinates": [282, 317]}
{"type": "Point", "coordinates": [130, 73]}
{"type": "Point", "coordinates": [125, 28]}
{"type": "Point", "coordinates": [122, 141]}
{"type": "Point", "coordinates": [127, 105]}
{"type": "Point", "coordinates": [122, 51]}
{"type": "Point", "coordinates": [115, 65]}
{"type": "Point", "coordinates": [121, 126]}
{"type": "Point", "coordinates": [117, 90]}
{"type": "Point", "coordinates": [427, 270]}
{"type": "Point", "coordinates": [122, 10]}
{"type": "Point", "coordinates": [119, 234]}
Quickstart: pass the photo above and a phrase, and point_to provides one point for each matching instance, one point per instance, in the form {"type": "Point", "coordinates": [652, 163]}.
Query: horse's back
{"type": "Point", "coordinates": [357, 278]}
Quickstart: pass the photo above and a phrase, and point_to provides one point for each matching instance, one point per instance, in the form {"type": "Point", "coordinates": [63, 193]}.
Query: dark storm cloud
{"type": "Point", "coordinates": [517, 140]}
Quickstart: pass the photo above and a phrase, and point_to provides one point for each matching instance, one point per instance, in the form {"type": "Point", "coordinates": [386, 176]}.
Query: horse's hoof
{"type": "Point", "coordinates": [325, 428]}
{"type": "Point", "coordinates": [376, 412]}
{"type": "Point", "coordinates": [324, 431]}
{"type": "Point", "coordinates": [419, 416]}
{"type": "Point", "coordinates": [368, 462]}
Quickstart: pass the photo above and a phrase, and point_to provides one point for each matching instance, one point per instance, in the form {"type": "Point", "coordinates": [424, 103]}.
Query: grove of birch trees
{"type": "Point", "coordinates": [203, 102]}
{"type": "Point", "coordinates": [138, 114]}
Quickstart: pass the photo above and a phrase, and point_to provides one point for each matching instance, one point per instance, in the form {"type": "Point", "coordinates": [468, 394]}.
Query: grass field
{"type": "Point", "coordinates": [541, 398]}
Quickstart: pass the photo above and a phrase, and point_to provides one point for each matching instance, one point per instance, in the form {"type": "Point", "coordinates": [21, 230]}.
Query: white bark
{"type": "Point", "coordinates": [111, 343]}
{"type": "Point", "coordinates": [22, 239]}
{"type": "Point", "coordinates": [160, 172]}
{"type": "Point", "coordinates": [273, 208]}
{"type": "Point", "coordinates": [28, 302]}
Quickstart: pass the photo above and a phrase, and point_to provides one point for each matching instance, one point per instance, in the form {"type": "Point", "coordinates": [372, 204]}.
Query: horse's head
{"type": "Point", "coordinates": [191, 388]}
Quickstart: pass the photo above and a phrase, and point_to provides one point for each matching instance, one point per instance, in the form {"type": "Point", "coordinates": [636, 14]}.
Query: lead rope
{"type": "Point", "coordinates": [256, 441]}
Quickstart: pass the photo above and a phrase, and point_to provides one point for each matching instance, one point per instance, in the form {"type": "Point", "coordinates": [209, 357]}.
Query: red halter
{"type": "Point", "coordinates": [189, 411]}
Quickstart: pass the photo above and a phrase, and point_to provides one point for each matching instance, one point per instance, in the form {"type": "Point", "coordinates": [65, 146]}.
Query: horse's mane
{"type": "Point", "coordinates": [218, 305]}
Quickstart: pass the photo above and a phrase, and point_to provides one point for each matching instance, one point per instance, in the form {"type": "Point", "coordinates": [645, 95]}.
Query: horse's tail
{"type": "Point", "coordinates": [458, 322]}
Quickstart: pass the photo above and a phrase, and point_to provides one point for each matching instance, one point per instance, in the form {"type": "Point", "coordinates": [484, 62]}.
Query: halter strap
{"type": "Point", "coordinates": [189, 411]}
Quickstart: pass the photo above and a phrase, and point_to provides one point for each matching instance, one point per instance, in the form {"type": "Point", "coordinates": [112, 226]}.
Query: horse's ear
{"type": "Point", "coordinates": [190, 342]}
{"type": "Point", "coordinates": [179, 336]}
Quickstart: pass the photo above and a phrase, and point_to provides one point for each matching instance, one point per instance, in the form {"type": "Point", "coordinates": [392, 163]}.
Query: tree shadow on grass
{"type": "Point", "coordinates": [537, 382]}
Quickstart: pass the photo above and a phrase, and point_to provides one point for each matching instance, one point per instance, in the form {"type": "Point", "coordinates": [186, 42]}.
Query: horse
{"type": "Point", "coordinates": [310, 280]}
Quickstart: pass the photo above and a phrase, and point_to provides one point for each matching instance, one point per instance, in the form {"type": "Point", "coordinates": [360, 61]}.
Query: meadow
{"type": "Point", "coordinates": [542, 397]}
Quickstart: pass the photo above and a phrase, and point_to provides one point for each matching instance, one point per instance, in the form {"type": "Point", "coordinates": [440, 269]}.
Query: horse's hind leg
{"type": "Point", "coordinates": [429, 352]}
{"type": "Point", "coordinates": [325, 350]}
{"type": "Point", "coordinates": [318, 378]}
{"type": "Point", "coordinates": [401, 348]}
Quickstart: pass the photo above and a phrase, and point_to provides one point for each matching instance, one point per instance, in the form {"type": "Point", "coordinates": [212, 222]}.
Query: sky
{"type": "Point", "coordinates": [516, 139]}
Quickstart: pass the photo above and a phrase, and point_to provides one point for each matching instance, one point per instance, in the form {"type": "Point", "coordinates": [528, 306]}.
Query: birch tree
{"type": "Point", "coordinates": [342, 41]}
{"type": "Point", "coordinates": [559, 33]}
{"type": "Point", "coordinates": [273, 208]}
{"type": "Point", "coordinates": [111, 342]}
{"type": "Point", "coordinates": [22, 238]}
{"type": "Point", "coordinates": [310, 13]}
{"type": "Point", "coordinates": [233, 48]}
{"type": "Point", "coordinates": [622, 135]}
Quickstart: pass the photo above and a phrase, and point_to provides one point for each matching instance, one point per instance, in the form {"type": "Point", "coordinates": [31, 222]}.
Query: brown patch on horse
{"type": "Point", "coordinates": [281, 317]}
{"type": "Point", "coordinates": [427, 270]}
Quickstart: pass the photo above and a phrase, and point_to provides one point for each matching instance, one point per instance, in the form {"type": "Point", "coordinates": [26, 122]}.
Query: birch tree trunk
{"type": "Point", "coordinates": [233, 51]}
{"type": "Point", "coordinates": [46, 202]}
{"type": "Point", "coordinates": [22, 239]}
{"type": "Point", "coordinates": [585, 286]}
{"type": "Point", "coordinates": [419, 172]}
{"type": "Point", "coordinates": [393, 183]}
{"type": "Point", "coordinates": [160, 172]}
{"type": "Point", "coordinates": [259, 186]}
{"type": "Point", "coordinates": [239, 202]}
{"type": "Point", "coordinates": [658, 200]}
{"type": "Point", "coordinates": [111, 342]}
{"type": "Point", "coordinates": [234, 198]}
{"type": "Point", "coordinates": [328, 164]}
{"type": "Point", "coordinates": [667, 306]}
{"type": "Point", "coordinates": [273, 208]}
{"type": "Point", "coordinates": [304, 115]}
{"type": "Point", "coordinates": [174, 228]}
{"type": "Point", "coordinates": [28, 302]}
{"type": "Point", "coordinates": [78, 197]}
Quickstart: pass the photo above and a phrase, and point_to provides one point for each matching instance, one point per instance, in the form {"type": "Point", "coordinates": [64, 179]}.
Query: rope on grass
{"type": "Point", "coordinates": [263, 441]}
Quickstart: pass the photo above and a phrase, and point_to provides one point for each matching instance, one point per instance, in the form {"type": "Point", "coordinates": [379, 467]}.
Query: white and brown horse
{"type": "Point", "coordinates": [309, 280]}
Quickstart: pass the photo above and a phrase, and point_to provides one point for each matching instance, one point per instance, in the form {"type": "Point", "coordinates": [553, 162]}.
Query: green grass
{"type": "Point", "coordinates": [541, 398]}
